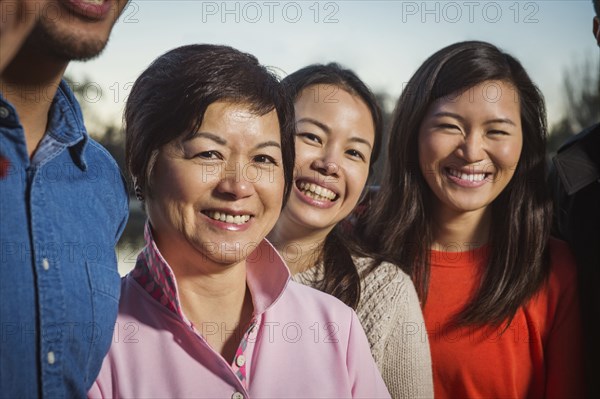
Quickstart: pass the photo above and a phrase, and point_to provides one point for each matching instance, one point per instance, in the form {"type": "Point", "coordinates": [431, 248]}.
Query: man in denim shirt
{"type": "Point", "coordinates": [63, 206]}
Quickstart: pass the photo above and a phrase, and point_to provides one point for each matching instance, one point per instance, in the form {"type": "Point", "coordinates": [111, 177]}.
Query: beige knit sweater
{"type": "Point", "coordinates": [391, 316]}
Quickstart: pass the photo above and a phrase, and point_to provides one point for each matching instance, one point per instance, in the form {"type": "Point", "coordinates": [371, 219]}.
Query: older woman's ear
{"type": "Point", "coordinates": [139, 192]}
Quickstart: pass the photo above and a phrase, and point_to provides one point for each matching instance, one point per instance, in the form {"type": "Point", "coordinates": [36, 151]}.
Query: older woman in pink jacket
{"type": "Point", "coordinates": [209, 310]}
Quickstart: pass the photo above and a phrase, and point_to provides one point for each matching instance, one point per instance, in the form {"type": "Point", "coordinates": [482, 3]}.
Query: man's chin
{"type": "Point", "coordinates": [69, 44]}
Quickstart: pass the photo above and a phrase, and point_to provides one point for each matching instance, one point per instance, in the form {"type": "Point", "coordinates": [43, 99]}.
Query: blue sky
{"type": "Point", "coordinates": [383, 41]}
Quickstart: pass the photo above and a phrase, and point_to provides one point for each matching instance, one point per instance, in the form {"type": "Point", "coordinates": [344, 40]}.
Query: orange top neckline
{"type": "Point", "coordinates": [470, 258]}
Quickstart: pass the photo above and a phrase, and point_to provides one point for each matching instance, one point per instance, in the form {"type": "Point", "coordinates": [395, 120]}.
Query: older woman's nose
{"type": "Point", "coordinates": [235, 183]}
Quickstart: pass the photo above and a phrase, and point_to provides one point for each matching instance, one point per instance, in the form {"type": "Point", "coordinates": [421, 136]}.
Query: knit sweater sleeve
{"type": "Point", "coordinates": [393, 321]}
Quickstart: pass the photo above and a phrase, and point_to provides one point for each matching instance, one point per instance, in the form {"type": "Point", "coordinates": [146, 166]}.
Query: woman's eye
{"type": "Point", "coordinates": [356, 154]}
{"type": "Point", "coordinates": [498, 132]}
{"type": "Point", "coordinates": [310, 137]}
{"type": "Point", "coordinates": [208, 155]}
{"type": "Point", "coordinates": [265, 159]}
{"type": "Point", "coordinates": [448, 126]}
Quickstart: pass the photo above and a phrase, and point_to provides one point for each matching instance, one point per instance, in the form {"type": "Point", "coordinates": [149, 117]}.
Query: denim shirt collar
{"type": "Point", "coordinates": [65, 123]}
{"type": "Point", "coordinates": [266, 275]}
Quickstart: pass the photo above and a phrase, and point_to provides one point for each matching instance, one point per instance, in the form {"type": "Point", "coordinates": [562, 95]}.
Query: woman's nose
{"type": "Point", "coordinates": [471, 149]}
{"type": "Point", "coordinates": [327, 164]}
{"type": "Point", "coordinates": [234, 181]}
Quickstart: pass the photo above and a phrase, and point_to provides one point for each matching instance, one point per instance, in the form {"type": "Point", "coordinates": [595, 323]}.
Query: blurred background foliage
{"type": "Point", "coordinates": [581, 88]}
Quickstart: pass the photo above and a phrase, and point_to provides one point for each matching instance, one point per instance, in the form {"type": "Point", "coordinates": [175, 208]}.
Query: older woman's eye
{"type": "Point", "coordinates": [265, 159]}
{"type": "Point", "coordinates": [209, 155]}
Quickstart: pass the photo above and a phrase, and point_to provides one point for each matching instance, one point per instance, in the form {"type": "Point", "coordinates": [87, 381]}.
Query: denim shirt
{"type": "Point", "coordinates": [61, 215]}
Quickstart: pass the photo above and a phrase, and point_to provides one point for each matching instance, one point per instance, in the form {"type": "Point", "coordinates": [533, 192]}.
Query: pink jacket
{"type": "Point", "coordinates": [301, 343]}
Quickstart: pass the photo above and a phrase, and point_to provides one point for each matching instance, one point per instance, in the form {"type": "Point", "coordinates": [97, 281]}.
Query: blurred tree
{"type": "Point", "coordinates": [581, 88]}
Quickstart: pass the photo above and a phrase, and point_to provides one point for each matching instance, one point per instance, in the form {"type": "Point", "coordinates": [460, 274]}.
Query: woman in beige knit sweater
{"type": "Point", "coordinates": [338, 137]}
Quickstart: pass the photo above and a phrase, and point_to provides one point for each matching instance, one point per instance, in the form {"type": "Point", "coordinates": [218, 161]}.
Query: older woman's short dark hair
{"type": "Point", "coordinates": [169, 99]}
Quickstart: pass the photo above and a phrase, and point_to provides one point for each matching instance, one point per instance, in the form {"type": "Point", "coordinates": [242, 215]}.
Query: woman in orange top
{"type": "Point", "coordinates": [463, 207]}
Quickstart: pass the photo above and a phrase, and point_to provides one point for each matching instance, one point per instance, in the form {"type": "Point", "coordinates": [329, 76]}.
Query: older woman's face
{"type": "Point", "coordinates": [469, 146]}
{"type": "Point", "coordinates": [215, 196]}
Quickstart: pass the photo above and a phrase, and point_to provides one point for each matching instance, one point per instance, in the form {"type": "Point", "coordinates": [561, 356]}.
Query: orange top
{"type": "Point", "coordinates": [538, 355]}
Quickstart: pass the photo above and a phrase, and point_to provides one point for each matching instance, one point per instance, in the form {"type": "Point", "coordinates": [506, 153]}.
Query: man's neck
{"type": "Point", "coordinates": [29, 83]}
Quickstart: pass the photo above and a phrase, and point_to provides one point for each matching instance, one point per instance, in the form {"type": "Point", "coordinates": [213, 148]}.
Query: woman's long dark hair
{"type": "Point", "coordinates": [341, 278]}
{"type": "Point", "coordinates": [521, 215]}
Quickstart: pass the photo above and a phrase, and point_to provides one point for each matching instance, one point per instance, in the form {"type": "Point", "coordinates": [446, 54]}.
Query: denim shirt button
{"type": "Point", "coordinates": [4, 112]}
{"type": "Point", "coordinates": [45, 264]}
{"type": "Point", "coordinates": [51, 357]}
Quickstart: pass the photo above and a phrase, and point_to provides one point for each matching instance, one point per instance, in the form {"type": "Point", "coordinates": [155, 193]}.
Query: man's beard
{"type": "Point", "coordinates": [65, 44]}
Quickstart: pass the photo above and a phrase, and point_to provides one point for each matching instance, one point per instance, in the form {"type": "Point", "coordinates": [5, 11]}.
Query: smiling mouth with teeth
{"type": "Point", "coordinates": [316, 192]}
{"type": "Point", "coordinates": [472, 177]}
{"type": "Point", "coordinates": [226, 218]}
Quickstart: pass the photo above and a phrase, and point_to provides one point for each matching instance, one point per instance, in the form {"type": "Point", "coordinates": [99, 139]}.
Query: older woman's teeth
{"type": "Point", "coordinates": [317, 192]}
{"type": "Point", "coordinates": [94, 2]}
{"type": "Point", "coordinates": [223, 217]}
{"type": "Point", "coordinates": [474, 177]}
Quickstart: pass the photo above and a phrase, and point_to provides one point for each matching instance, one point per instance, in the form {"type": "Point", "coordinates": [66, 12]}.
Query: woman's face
{"type": "Point", "coordinates": [335, 136]}
{"type": "Point", "coordinates": [470, 144]}
{"type": "Point", "coordinates": [215, 196]}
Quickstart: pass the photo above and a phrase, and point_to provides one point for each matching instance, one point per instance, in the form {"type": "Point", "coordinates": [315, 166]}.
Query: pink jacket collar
{"type": "Point", "coordinates": [266, 276]}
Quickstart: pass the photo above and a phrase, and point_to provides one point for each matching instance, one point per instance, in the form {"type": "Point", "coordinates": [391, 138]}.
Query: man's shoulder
{"type": "Point", "coordinates": [588, 136]}
{"type": "Point", "coordinates": [577, 162]}
{"type": "Point", "coordinates": [95, 152]}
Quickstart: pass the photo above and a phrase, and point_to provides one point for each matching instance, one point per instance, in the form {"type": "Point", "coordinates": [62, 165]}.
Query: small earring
{"type": "Point", "coordinates": [138, 193]}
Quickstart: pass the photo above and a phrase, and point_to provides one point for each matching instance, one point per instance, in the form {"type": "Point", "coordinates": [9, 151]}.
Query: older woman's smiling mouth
{"type": "Point", "coordinates": [224, 216]}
